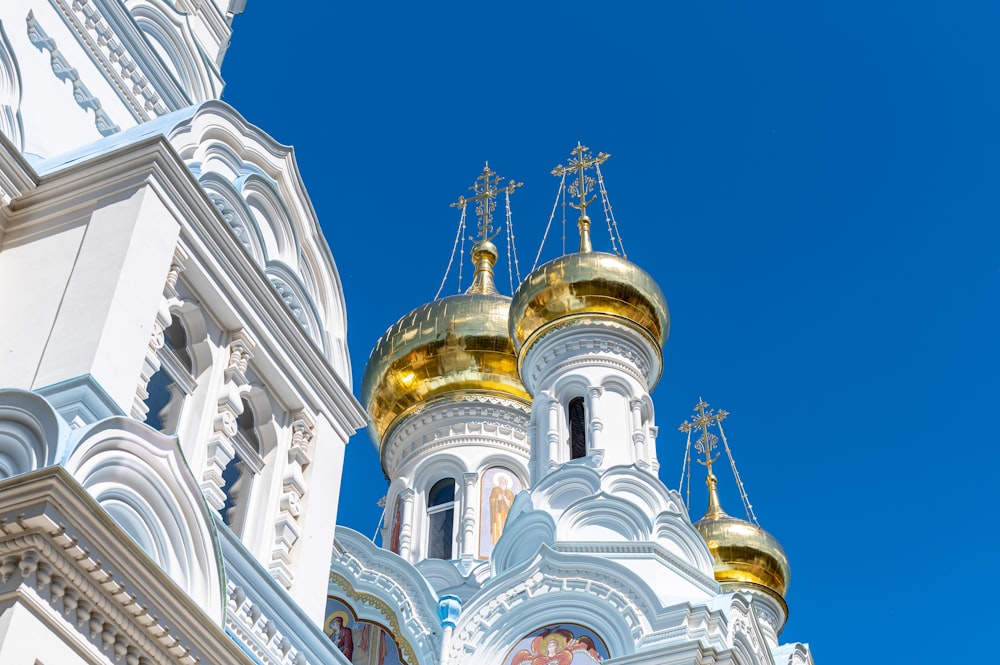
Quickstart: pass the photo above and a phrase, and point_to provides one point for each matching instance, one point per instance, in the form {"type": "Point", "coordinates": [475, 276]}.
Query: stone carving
{"type": "Point", "coordinates": [221, 449]}
{"type": "Point", "coordinates": [293, 488]}
{"type": "Point", "coordinates": [232, 220]}
{"type": "Point", "coordinates": [64, 72]}
{"type": "Point", "coordinates": [77, 585]}
{"type": "Point", "coordinates": [259, 633]}
{"type": "Point", "coordinates": [123, 71]}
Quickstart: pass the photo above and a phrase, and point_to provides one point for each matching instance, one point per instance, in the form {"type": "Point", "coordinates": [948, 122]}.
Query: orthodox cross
{"type": "Point", "coordinates": [581, 160]}
{"type": "Point", "coordinates": [485, 190]}
{"type": "Point", "coordinates": [702, 419]}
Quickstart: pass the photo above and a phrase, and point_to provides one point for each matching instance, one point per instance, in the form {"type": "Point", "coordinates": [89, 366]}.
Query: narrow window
{"type": "Point", "coordinates": [239, 474]}
{"type": "Point", "coordinates": [172, 382]}
{"type": "Point", "coordinates": [441, 519]}
{"type": "Point", "coordinates": [577, 429]}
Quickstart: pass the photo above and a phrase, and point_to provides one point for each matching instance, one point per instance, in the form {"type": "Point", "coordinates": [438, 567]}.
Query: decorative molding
{"type": "Point", "coordinates": [10, 94]}
{"type": "Point", "coordinates": [589, 342]}
{"type": "Point", "coordinates": [293, 491]}
{"type": "Point", "coordinates": [394, 593]}
{"type": "Point", "coordinates": [64, 72]}
{"type": "Point", "coordinates": [257, 632]}
{"type": "Point", "coordinates": [233, 220]}
{"type": "Point", "coordinates": [113, 57]}
{"type": "Point", "coordinates": [61, 553]}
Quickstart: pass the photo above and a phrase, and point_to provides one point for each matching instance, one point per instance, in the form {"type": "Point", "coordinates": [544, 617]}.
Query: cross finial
{"type": "Point", "coordinates": [701, 420]}
{"type": "Point", "coordinates": [580, 161]}
{"type": "Point", "coordinates": [485, 190]}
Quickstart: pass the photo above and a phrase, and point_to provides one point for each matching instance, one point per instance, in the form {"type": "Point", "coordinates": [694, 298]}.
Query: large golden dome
{"type": "Point", "coordinates": [744, 553]}
{"type": "Point", "coordinates": [588, 283]}
{"type": "Point", "coordinates": [456, 343]}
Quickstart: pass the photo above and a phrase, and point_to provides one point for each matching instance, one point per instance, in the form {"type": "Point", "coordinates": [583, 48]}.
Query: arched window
{"type": "Point", "coordinates": [441, 519]}
{"type": "Point", "coordinates": [172, 382]}
{"type": "Point", "coordinates": [577, 429]}
{"type": "Point", "coordinates": [238, 476]}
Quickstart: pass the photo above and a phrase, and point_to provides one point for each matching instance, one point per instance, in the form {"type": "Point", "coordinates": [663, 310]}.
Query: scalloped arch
{"type": "Point", "coordinates": [678, 536]}
{"type": "Point", "coordinates": [615, 604]}
{"type": "Point", "coordinates": [295, 297]}
{"type": "Point", "coordinates": [171, 38]}
{"type": "Point", "coordinates": [142, 478]}
{"type": "Point", "coordinates": [216, 138]}
{"type": "Point", "coordinates": [234, 211]}
{"type": "Point", "coordinates": [603, 518]}
{"type": "Point", "coordinates": [11, 124]}
{"type": "Point", "coordinates": [31, 432]}
{"type": "Point", "coordinates": [525, 533]}
{"type": "Point", "coordinates": [641, 488]}
{"type": "Point", "coordinates": [270, 214]}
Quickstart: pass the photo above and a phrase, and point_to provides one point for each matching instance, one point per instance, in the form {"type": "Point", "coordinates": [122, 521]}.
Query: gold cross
{"type": "Point", "coordinates": [485, 190]}
{"type": "Point", "coordinates": [701, 420]}
{"type": "Point", "coordinates": [579, 162]}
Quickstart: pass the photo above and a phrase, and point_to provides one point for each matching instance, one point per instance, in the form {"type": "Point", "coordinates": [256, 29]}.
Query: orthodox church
{"type": "Point", "coordinates": [175, 401]}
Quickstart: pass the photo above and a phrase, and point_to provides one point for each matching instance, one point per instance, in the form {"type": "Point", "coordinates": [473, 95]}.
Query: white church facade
{"type": "Point", "coordinates": [175, 401]}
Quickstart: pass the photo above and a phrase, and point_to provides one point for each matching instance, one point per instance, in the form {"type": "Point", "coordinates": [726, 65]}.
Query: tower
{"type": "Point", "coordinates": [175, 386]}
{"type": "Point", "coordinates": [449, 414]}
{"type": "Point", "coordinates": [596, 559]}
{"type": "Point", "coordinates": [748, 559]}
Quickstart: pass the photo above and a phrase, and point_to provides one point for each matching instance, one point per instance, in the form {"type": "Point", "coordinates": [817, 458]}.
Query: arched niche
{"type": "Point", "coordinates": [270, 214]}
{"type": "Point", "coordinates": [140, 477]}
{"type": "Point", "coordinates": [295, 297]}
{"type": "Point", "coordinates": [234, 212]}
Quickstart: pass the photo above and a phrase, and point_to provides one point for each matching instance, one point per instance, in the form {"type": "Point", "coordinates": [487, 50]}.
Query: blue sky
{"type": "Point", "coordinates": [813, 185]}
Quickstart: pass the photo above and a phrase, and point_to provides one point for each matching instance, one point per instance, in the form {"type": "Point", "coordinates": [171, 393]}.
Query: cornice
{"type": "Point", "coordinates": [16, 175]}
{"type": "Point", "coordinates": [584, 341]}
{"type": "Point", "coordinates": [458, 420]}
{"type": "Point", "coordinates": [77, 560]}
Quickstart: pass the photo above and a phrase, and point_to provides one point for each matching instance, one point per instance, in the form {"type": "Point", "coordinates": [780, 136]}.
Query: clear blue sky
{"type": "Point", "coordinates": [814, 186]}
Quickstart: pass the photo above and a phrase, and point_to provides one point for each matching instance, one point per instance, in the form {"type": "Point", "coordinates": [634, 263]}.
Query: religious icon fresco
{"type": "Point", "coordinates": [558, 644]}
{"type": "Point", "coordinates": [362, 642]}
{"type": "Point", "coordinates": [499, 487]}
{"type": "Point", "coordinates": [397, 524]}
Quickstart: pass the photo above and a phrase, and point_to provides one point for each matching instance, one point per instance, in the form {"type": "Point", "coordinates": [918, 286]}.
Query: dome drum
{"type": "Point", "coordinates": [591, 285]}
{"type": "Point", "coordinates": [455, 344]}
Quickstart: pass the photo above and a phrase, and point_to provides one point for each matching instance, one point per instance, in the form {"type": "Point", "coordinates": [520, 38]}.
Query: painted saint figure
{"type": "Point", "coordinates": [501, 499]}
{"type": "Point", "coordinates": [556, 647]}
{"type": "Point", "coordinates": [342, 636]}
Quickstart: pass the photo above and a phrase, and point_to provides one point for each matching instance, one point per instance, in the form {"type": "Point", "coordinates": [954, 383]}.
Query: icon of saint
{"type": "Point", "coordinates": [341, 636]}
{"type": "Point", "coordinates": [501, 499]}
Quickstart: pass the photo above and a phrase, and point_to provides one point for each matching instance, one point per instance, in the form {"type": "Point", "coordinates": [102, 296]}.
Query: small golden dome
{"type": "Point", "coordinates": [456, 343]}
{"type": "Point", "coordinates": [744, 553]}
{"type": "Point", "coordinates": [588, 283]}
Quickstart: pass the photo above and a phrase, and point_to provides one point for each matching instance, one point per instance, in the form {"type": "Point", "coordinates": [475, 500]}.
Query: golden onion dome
{"type": "Point", "coordinates": [455, 343]}
{"type": "Point", "coordinates": [588, 283]}
{"type": "Point", "coordinates": [745, 554]}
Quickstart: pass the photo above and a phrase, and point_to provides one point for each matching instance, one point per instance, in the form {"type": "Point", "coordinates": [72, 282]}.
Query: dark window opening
{"type": "Point", "coordinates": [237, 477]}
{"type": "Point", "coordinates": [160, 395]}
{"type": "Point", "coordinates": [577, 429]}
{"type": "Point", "coordinates": [441, 519]}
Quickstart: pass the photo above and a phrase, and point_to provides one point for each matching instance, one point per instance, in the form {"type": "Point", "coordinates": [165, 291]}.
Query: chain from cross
{"type": "Point", "coordinates": [484, 192]}
{"type": "Point", "coordinates": [701, 420]}
{"type": "Point", "coordinates": [579, 162]}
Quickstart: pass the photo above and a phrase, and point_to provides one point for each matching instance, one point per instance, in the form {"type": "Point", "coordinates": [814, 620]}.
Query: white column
{"type": "Point", "coordinates": [467, 546]}
{"type": "Point", "coordinates": [406, 497]}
